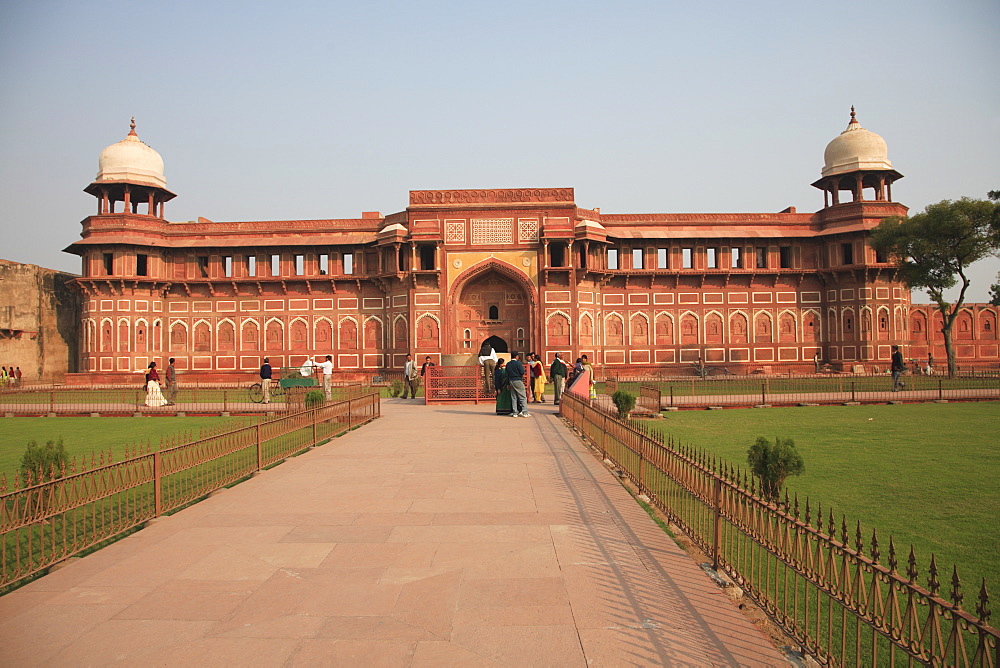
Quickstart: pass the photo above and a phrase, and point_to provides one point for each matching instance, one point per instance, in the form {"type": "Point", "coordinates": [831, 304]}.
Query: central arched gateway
{"type": "Point", "coordinates": [491, 300]}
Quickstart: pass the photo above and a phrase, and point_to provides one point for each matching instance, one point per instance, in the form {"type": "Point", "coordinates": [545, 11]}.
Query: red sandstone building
{"type": "Point", "coordinates": [527, 268]}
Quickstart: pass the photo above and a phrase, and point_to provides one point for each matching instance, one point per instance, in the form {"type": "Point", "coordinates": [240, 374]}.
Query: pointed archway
{"type": "Point", "coordinates": [491, 301]}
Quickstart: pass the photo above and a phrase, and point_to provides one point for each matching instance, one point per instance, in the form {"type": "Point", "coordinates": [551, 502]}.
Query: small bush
{"type": "Point", "coordinates": [43, 463]}
{"type": "Point", "coordinates": [315, 398]}
{"type": "Point", "coordinates": [396, 387]}
{"type": "Point", "coordinates": [772, 463]}
{"type": "Point", "coordinates": [624, 401]}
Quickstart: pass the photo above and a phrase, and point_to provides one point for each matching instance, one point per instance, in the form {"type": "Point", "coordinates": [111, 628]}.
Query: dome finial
{"type": "Point", "coordinates": [852, 113]}
{"type": "Point", "coordinates": [131, 132]}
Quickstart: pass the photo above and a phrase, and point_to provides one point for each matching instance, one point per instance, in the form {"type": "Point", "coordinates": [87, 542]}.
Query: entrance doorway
{"type": "Point", "coordinates": [494, 308]}
{"type": "Point", "coordinates": [498, 344]}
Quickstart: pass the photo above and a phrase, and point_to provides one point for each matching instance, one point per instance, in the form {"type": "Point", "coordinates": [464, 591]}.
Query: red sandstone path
{"type": "Point", "coordinates": [436, 536]}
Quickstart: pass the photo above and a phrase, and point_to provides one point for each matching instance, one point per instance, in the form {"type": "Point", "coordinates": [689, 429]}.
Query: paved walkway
{"type": "Point", "coordinates": [436, 536]}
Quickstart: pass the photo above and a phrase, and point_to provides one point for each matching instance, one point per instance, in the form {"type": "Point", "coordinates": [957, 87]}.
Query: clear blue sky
{"type": "Point", "coordinates": [326, 109]}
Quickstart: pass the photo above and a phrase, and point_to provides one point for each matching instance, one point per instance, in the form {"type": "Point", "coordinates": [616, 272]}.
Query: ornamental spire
{"type": "Point", "coordinates": [131, 132]}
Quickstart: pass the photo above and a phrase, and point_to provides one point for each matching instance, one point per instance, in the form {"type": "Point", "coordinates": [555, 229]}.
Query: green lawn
{"type": "Point", "coordinates": [85, 435]}
{"type": "Point", "coordinates": [925, 473]}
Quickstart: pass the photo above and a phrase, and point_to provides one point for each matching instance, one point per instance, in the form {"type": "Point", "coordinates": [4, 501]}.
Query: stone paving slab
{"type": "Point", "coordinates": [435, 536]}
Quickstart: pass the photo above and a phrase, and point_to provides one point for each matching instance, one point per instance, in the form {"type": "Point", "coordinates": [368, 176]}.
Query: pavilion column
{"type": "Point", "coordinates": [128, 200]}
{"type": "Point", "coordinates": [858, 193]}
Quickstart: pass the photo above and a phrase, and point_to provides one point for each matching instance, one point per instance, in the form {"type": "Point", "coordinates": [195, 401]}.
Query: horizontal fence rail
{"type": "Point", "coordinates": [695, 392]}
{"type": "Point", "coordinates": [42, 523]}
{"type": "Point", "coordinates": [846, 602]}
{"type": "Point", "coordinates": [128, 400]}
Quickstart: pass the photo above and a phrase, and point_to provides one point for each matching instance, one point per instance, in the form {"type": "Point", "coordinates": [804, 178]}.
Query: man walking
{"type": "Point", "coordinates": [326, 366]}
{"type": "Point", "coordinates": [897, 369]}
{"type": "Point", "coordinates": [265, 380]}
{"type": "Point", "coordinates": [411, 377]}
{"type": "Point", "coordinates": [557, 372]}
{"type": "Point", "coordinates": [515, 380]}
{"type": "Point", "coordinates": [171, 383]}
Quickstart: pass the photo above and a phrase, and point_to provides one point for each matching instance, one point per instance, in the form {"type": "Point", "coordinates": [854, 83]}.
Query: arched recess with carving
{"type": "Point", "coordinates": [664, 329]}
{"type": "Point", "coordinates": [787, 327]}
{"type": "Point", "coordinates": [225, 335]}
{"type": "Point", "coordinates": [156, 336]}
{"type": "Point", "coordinates": [298, 334]}
{"type": "Point", "coordinates": [123, 334]}
{"type": "Point", "coordinates": [988, 324]}
{"type": "Point", "coordinates": [614, 330]}
{"type": "Point", "coordinates": [714, 329]}
{"type": "Point", "coordinates": [347, 333]}
{"type": "Point", "coordinates": [558, 329]}
{"type": "Point", "coordinates": [833, 324]}
{"type": "Point", "coordinates": [141, 336]}
{"type": "Point", "coordinates": [763, 328]}
{"type": "Point", "coordinates": [811, 325]}
{"type": "Point", "coordinates": [323, 335]}
{"type": "Point", "coordinates": [849, 324]}
{"type": "Point", "coordinates": [179, 335]}
{"type": "Point", "coordinates": [486, 284]}
{"type": "Point", "coordinates": [882, 326]}
{"type": "Point", "coordinates": [963, 326]}
{"type": "Point", "coordinates": [586, 330]}
{"type": "Point", "coordinates": [202, 336]}
{"type": "Point", "coordinates": [428, 331]}
{"type": "Point", "coordinates": [690, 326]}
{"type": "Point", "coordinates": [639, 329]}
{"type": "Point", "coordinates": [738, 328]}
{"type": "Point", "coordinates": [373, 333]}
{"type": "Point", "coordinates": [249, 335]}
{"type": "Point", "coordinates": [274, 334]}
{"type": "Point", "coordinates": [91, 341]}
{"type": "Point", "coordinates": [400, 333]}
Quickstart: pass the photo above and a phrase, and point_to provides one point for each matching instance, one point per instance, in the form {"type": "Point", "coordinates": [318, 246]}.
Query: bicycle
{"type": "Point", "coordinates": [256, 392]}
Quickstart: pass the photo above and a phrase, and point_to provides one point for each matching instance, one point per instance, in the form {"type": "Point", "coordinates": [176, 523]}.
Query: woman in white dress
{"type": "Point", "coordinates": [154, 397]}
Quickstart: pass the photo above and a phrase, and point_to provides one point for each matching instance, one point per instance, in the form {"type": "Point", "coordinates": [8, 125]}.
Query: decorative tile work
{"type": "Point", "coordinates": [454, 231]}
{"type": "Point", "coordinates": [527, 229]}
{"type": "Point", "coordinates": [492, 231]}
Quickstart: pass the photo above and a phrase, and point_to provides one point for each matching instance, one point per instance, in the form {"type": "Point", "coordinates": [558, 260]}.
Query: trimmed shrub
{"type": "Point", "coordinates": [315, 398]}
{"type": "Point", "coordinates": [396, 387]}
{"type": "Point", "coordinates": [772, 463]}
{"type": "Point", "coordinates": [624, 402]}
{"type": "Point", "coordinates": [42, 463]}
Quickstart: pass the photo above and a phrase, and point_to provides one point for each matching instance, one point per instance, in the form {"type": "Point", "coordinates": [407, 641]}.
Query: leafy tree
{"type": "Point", "coordinates": [624, 402]}
{"type": "Point", "coordinates": [938, 245]}
{"type": "Point", "coordinates": [995, 292]}
{"type": "Point", "coordinates": [772, 463]}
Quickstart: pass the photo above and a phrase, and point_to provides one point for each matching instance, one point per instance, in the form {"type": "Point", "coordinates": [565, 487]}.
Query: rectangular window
{"type": "Point", "coordinates": [637, 259]}
{"type": "Point", "coordinates": [737, 257]}
{"type": "Point", "coordinates": [324, 264]}
{"type": "Point", "coordinates": [712, 258]}
{"type": "Point", "coordinates": [109, 264]}
{"type": "Point", "coordinates": [880, 255]}
{"type": "Point", "coordinates": [687, 258]}
{"type": "Point", "coordinates": [300, 265]}
{"type": "Point", "coordinates": [661, 259]}
{"type": "Point", "coordinates": [348, 263]}
{"type": "Point", "coordinates": [276, 265]}
{"type": "Point", "coordinates": [612, 258]}
{"type": "Point", "coordinates": [141, 264]}
{"type": "Point", "coordinates": [203, 266]}
{"type": "Point", "coordinates": [761, 257]}
{"type": "Point", "coordinates": [785, 256]}
{"type": "Point", "coordinates": [227, 265]}
{"type": "Point", "coordinates": [847, 253]}
{"type": "Point", "coordinates": [252, 265]}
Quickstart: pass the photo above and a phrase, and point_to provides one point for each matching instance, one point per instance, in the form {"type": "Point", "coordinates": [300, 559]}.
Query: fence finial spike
{"type": "Point", "coordinates": [858, 542]}
{"type": "Point", "coordinates": [874, 549]}
{"type": "Point", "coordinates": [933, 584]}
{"type": "Point", "coordinates": [892, 555]}
{"type": "Point", "coordinates": [808, 516]}
{"type": "Point", "coordinates": [983, 607]}
{"type": "Point", "coordinates": [956, 587]}
{"type": "Point", "coordinates": [911, 567]}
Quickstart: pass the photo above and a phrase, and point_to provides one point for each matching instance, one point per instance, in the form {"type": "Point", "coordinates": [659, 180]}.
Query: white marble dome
{"type": "Point", "coordinates": [855, 149]}
{"type": "Point", "coordinates": [132, 161]}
